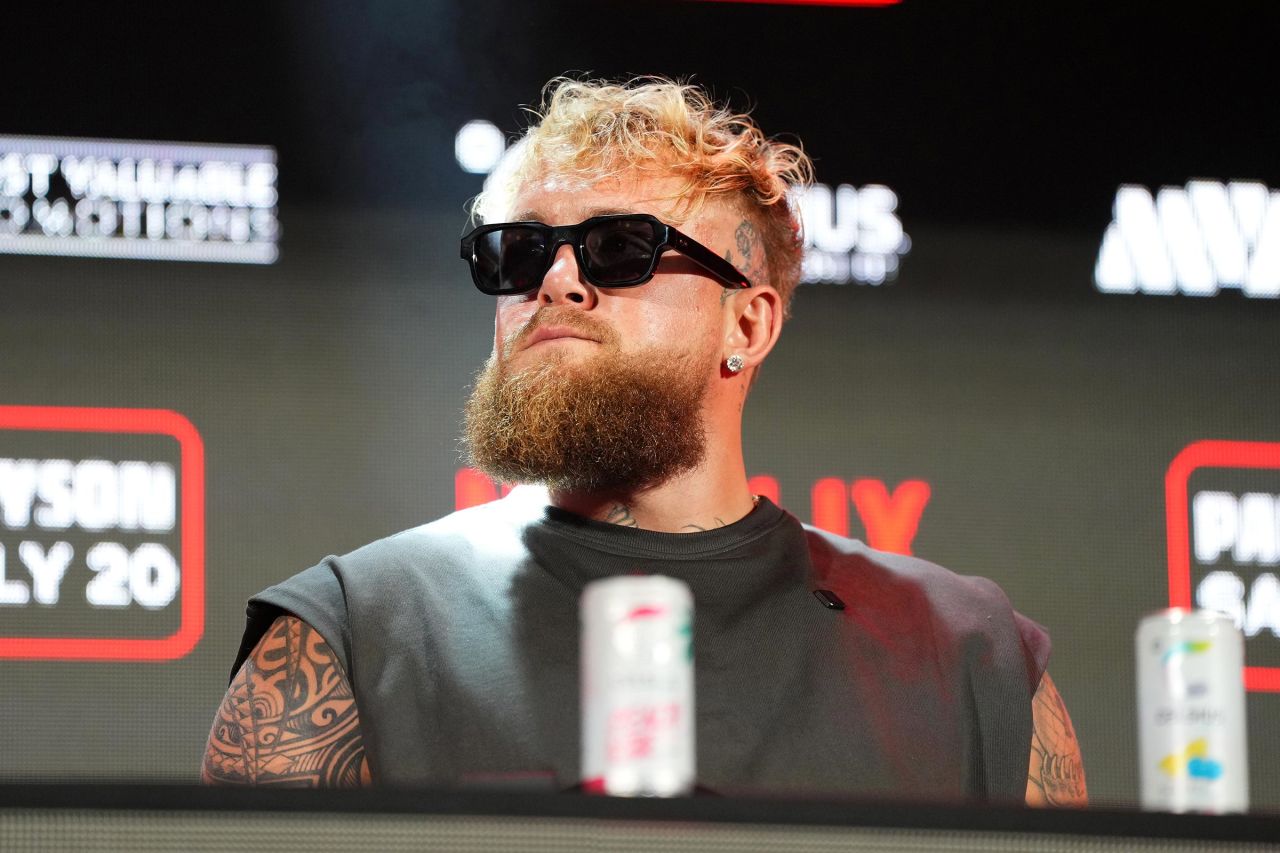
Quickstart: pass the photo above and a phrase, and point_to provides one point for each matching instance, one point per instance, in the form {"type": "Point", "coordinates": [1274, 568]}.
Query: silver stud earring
{"type": "Point", "coordinates": [735, 363]}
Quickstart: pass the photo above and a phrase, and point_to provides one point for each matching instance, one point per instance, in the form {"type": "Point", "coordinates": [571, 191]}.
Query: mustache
{"type": "Point", "coordinates": [559, 316]}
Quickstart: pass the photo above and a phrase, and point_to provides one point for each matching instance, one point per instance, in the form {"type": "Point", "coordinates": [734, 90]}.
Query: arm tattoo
{"type": "Point", "coordinates": [1056, 774]}
{"type": "Point", "coordinates": [621, 514]}
{"type": "Point", "coordinates": [289, 717]}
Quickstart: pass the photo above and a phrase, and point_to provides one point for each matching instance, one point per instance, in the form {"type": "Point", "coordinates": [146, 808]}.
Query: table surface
{"type": "Point", "coordinates": [778, 811]}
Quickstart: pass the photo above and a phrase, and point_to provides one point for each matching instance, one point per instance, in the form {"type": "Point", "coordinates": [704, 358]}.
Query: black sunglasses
{"type": "Point", "coordinates": [618, 250]}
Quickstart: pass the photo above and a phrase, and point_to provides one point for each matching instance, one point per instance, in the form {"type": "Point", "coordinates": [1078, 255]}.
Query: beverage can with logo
{"type": "Point", "coordinates": [1191, 712]}
{"type": "Point", "coordinates": [637, 687]}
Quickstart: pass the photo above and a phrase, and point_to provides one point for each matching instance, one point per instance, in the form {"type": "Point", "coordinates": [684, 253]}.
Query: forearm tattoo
{"type": "Point", "coordinates": [1056, 774]}
{"type": "Point", "coordinates": [289, 717]}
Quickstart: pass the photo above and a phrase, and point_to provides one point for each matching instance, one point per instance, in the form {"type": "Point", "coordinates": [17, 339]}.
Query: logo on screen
{"type": "Point", "coordinates": [1196, 240]}
{"type": "Point", "coordinates": [101, 534]}
{"type": "Point", "coordinates": [851, 235]}
{"type": "Point", "coordinates": [107, 198]}
{"type": "Point", "coordinates": [1223, 504]}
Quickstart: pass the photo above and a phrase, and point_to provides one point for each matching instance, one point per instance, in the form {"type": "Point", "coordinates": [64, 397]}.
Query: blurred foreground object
{"type": "Point", "coordinates": [1191, 721]}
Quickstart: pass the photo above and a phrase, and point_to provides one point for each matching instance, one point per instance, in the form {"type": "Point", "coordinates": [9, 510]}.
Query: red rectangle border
{"type": "Point", "coordinates": [1209, 454]}
{"type": "Point", "coordinates": [191, 449]}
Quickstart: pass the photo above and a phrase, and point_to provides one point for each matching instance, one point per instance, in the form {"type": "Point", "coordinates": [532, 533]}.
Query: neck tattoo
{"type": "Point", "coordinates": [620, 514]}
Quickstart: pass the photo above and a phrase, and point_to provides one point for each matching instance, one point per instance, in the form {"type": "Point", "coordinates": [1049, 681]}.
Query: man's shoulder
{"type": "Point", "coordinates": [853, 566]}
{"type": "Point", "coordinates": [476, 546]}
{"type": "Point", "coordinates": [488, 532]}
{"type": "Point", "coordinates": [904, 593]}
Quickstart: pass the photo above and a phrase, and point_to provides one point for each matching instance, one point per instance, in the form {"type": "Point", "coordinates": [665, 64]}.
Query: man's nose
{"type": "Point", "coordinates": [564, 282]}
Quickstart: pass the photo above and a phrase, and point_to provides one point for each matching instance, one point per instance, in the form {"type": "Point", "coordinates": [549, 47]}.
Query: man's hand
{"type": "Point", "coordinates": [1056, 776]}
{"type": "Point", "coordinates": [289, 717]}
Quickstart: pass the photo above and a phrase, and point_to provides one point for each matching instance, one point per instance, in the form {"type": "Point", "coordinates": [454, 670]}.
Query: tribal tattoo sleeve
{"type": "Point", "coordinates": [289, 717]}
{"type": "Point", "coordinates": [1056, 774]}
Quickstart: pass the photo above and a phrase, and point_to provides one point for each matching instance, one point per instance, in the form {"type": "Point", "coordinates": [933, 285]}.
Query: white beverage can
{"type": "Point", "coordinates": [637, 687]}
{"type": "Point", "coordinates": [1191, 712]}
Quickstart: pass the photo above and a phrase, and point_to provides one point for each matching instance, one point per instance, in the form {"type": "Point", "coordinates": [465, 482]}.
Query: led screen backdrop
{"type": "Point", "coordinates": [1037, 338]}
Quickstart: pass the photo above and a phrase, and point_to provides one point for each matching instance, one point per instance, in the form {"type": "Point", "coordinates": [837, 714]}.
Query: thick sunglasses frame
{"type": "Point", "coordinates": [668, 238]}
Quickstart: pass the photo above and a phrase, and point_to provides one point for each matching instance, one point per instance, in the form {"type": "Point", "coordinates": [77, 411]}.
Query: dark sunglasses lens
{"type": "Point", "coordinates": [620, 251]}
{"type": "Point", "coordinates": [511, 259]}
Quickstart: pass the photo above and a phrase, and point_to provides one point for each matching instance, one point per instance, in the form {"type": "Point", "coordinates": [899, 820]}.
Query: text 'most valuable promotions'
{"type": "Point", "coordinates": [145, 200]}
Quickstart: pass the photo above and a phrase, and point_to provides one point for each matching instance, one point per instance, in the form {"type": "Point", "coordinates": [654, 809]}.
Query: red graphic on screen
{"type": "Point", "coordinates": [472, 488]}
{"type": "Point", "coordinates": [1248, 455]}
{"type": "Point", "coordinates": [191, 526]}
{"type": "Point", "coordinates": [766, 487]}
{"type": "Point", "coordinates": [829, 503]}
{"type": "Point", "coordinates": [891, 519]}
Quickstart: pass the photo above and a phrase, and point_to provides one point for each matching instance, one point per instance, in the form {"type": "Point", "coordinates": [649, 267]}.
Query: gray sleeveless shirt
{"type": "Point", "coordinates": [460, 639]}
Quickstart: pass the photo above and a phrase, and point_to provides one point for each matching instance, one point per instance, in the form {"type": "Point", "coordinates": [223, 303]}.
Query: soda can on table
{"type": "Point", "coordinates": [1191, 712]}
{"type": "Point", "coordinates": [637, 687]}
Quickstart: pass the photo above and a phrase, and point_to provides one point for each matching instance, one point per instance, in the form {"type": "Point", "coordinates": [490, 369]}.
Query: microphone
{"type": "Point", "coordinates": [829, 599]}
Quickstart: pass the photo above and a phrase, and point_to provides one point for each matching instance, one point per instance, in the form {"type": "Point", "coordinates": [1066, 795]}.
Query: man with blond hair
{"type": "Point", "coordinates": [643, 247]}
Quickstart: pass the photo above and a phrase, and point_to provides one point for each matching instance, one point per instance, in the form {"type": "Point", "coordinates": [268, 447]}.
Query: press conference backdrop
{"type": "Point", "coordinates": [1036, 340]}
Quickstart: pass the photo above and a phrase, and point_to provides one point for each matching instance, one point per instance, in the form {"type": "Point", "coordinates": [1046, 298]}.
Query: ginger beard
{"type": "Point", "coordinates": [613, 421]}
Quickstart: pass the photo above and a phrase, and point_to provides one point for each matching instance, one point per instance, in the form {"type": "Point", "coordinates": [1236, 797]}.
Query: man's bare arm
{"type": "Point", "coordinates": [1056, 775]}
{"type": "Point", "coordinates": [289, 717]}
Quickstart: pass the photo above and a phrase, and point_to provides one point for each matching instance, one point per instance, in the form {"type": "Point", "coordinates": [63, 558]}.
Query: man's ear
{"type": "Point", "coordinates": [753, 321]}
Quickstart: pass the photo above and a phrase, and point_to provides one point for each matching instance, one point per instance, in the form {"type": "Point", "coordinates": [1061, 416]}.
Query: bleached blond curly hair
{"type": "Point", "coordinates": [588, 130]}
